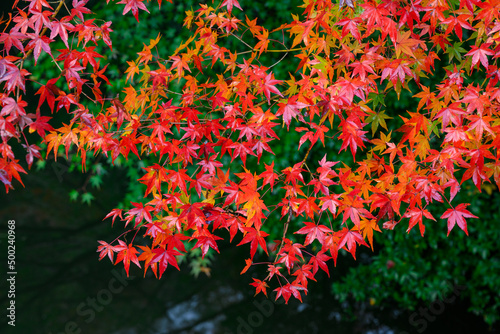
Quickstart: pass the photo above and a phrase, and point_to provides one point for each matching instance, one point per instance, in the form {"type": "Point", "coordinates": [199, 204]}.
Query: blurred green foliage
{"type": "Point", "coordinates": [408, 268]}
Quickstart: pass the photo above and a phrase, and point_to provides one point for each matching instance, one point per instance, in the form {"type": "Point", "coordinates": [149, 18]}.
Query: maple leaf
{"type": "Point", "coordinates": [350, 26]}
{"type": "Point", "coordinates": [105, 249]}
{"type": "Point", "coordinates": [260, 286]}
{"type": "Point", "coordinates": [14, 78]}
{"type": "Point", "coordinates": [269, 86]}
{"type": "Point", "coordinates": [155, 230]}
{"type": "Point", "coordinates": [13, 38]}
{"type": "Point", "coordinates": [290, 110]}
{"type": "Point", "coordinates": [205, 242]}
{"type": "Point", "coordinates": [288, 290]}
{"type": "Point", "coordinates": [248, 263]}
{"type": "Point", "coordinates": [331, 202]}
{"type": "Point", "coordinates": [269, 176]}
{"type": "Point", "coordinates": [165, 257]}
{"type": "Point", "coordinates": [415, 215]}
{"type": "Point", "coordinates": [177, 240]}
{"type": "Point", "coordinates": [352, 136]}
{"type": "Point", "coordinates": [273, 270]}
{"type": "Point", "coordinates": [314, 232]}
{"type": "Point", "coordinates": [180, 64]}
{"type": "Point", "coordinates": [308, 205]}
{"type": "Point", "coordinates": [405, 44]}
{"type": "Point", "coordinates": [350, 239]}
{"type": "Point", "coordinates": [479, 54]}
{"type": "Point", "coordinates": [253, 206]}
{"type": "Point", "coordinates": [8, 170]}
{"type": "Point", "coordinates": [457, 216]}
{"type": "Point", "coordinates": [255, 237]}
{"type": "Point", "coordinates": [210, 164]}
{"type": "Point", "coordinates": [353, 209]}
{"type": "Point", "coordinates": [425, 97]}
{"type": "Point", "coordinates": [146, 256]}
{"type": "Point", "coordinates": [104, 32]}
{"type": "Point", "coordinates": [134, 6]}
{"type": "Point", "coordinates": [49, 91]}
{"type": "Point", "coordinates": [33, 152]}
{"type": "Point", "coordinates": [367, 227]}
{"type": "Point", "coordinates": [40, 19]}
{"type": "Point", "coordinates": [38, 5]}
{"type": "Point", "coordinates": [79, 8]}
{"type": "Point", "coordinates": [458, 22]}
{"type": "Point", "coordinates": [60, 28]}
{"type": "Point", "coordinates": [39, 43]}
{"type": "Point", "coordinates": [476, 172]}
{"type": "Point", "coordinates": [293, 174]}
{"type": "Point", "coordinates": [140, 212]}
{"type": "Point", "coordinates": [127, 254]}
{"type": "Point", "coordinates": [233, 191]}
{"type": "Point", "coordinates": [13, 108]}
{"type": "Point", "coordinates": [230, 3]}
{"type": "Point", "coordinates": [202, 180]}
{"type": "Point", "coordinates": [263, 41]}
{"type": "Point", "coordinates": [320, 261]}
{"type": "Point", "coordinates": [303, 273]}
{"type": "Point", "coordinates": [378, 119]}
{"type": "Point", "coordinates": [451, 113]}
{"type": "Point", "coordinates": [178, 179]}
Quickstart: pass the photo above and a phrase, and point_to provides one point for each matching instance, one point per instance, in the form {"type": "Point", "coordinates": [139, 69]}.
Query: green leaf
{"type": "Point", "coordinates": [378, 119]}
{"type": "Point", "coordinates": [95, 181]}
{"type": "Point", "coordinates": [433, 127]}
{"type": "Point", "coordinates": [377, 99]}
{"type": "Point", "coordinates": [455, 51]}
{"type": "Point", "coordinates": [87, 198]}
{"type": "Point", "coordinates": [73, 195]}
{"type": "Point", "coordinates": [40, 164]}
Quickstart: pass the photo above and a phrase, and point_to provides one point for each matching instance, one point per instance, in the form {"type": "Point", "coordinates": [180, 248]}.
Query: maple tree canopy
{"type": "Point", "coordinates": [212, 113]}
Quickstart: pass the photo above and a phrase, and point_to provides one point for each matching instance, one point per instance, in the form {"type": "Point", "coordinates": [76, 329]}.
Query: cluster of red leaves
{"type": "Point", "coordinates": [29, 35]}
{"type": "Point", "coordinates": [230, 107]}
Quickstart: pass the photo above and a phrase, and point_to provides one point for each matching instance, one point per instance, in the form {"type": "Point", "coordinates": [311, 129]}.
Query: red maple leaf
{"type": "Point", "coordinates": [288, 290]}
{"type": "Point", "coordinates": [205, 240]}
{"type": "Point", "coordinates": [165, 257]}
{"type": "Point", "coordinates": [289, 110]}
{"type": "Point", "coordinates": [320, 261]}
{"type": "Point", "coordinates": [230, 3]}
{"type": "Point", "coordinates": [479, 54]}
{"type": "Point", "coordinates": [140, 212]}
{"type": "Point", "coordinates": [457, 216]}
{"type": "Point", "coordinates": [351, 238]}
{"type": "Point", "coordinates": [105, 249]}
{"type": "Point", "coordinates": [415, 215]}
{"type": "Point", "coordinates": [269, 176]}
{"type": "Point", "coordinates": [127, 254]}
{"type": "Point", "coordinates": [255, 237]}
{"type": "Point", "coordinates": [13, 38]}
{"type": "Point", "coordinates": [314, 232]}
{"type": "Point", "coordinates": [269, 86]}
{"type": "Point", "coordinates": [39, 43]}
{"type": "Point", "coordinates": [260, 286]}
{"type": "Point", "coordinates": [134, 6]}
